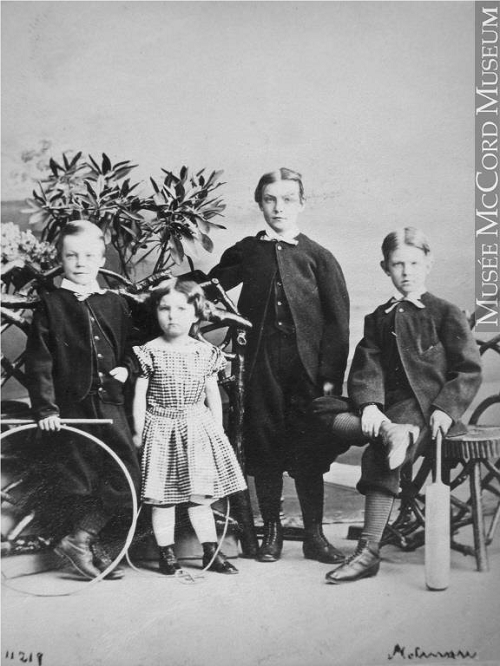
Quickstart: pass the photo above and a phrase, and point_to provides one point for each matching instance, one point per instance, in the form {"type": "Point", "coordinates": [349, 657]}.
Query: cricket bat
{"type": "Point", "coordinates": [437, 528]}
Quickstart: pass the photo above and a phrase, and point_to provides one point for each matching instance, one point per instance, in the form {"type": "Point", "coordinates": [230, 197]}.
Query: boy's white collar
{"type": "Point", "coordinates": [91, 288]}
{"type": "Point", "coordinates": [288, 237]}
{"type": "Point", "coordinates": [412, 296]}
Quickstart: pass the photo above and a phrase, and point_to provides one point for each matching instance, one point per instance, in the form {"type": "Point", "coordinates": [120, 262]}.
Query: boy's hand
{"type": "Point", "coordinates": [120, 374]}
{"type": "Point", "coordinates": [440, 421]}
{"type": "Point", "coordinates": [328, 388]}
{"type": "Point", "coordinates": [137, 439]}
{"type": "Point", "coordinates": [50, 423]}
{"type": "Point", "coordinates": [371, 420]}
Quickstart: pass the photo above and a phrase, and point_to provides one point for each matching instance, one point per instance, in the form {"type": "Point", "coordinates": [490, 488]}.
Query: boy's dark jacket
{"type": "Point", "coordinates": [315, 290]}
{"type": "Point", "coordinates": [60, 353]}
{"type": "Point", "coordinates": [438, 352]}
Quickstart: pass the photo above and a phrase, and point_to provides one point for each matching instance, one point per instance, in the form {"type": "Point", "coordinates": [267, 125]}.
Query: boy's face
{"type": "Point", "coordinates": [82, 257]}
{"type": "Point", "coordinates": [281, 205]}
{"type": "Point", "coordinates": [408, 268]}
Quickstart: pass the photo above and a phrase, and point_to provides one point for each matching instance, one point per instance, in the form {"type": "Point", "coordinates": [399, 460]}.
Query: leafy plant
{"type": "Point", "coordinates": [177, 215]}
{"type": "Point", "coordinates": [184, 207]}
{"type": "Point", "coordinates": [78, 188]}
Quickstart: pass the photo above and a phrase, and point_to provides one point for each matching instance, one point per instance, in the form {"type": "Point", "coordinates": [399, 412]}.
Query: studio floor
{"type": "Point", "coordinates": [275, 614]}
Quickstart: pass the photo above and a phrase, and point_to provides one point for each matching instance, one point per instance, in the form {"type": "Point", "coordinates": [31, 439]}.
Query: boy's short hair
{"type": "Point", "coordinates": [191, 290]}
{"type": "Point", "coordinates": [406, 236]}
{"type": "Point", "coordinates": [274, 177]}
{"type": "Point", "coordinates": [80, 227]}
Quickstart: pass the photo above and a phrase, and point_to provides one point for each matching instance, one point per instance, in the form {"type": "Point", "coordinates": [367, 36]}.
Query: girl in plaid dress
{"type": "Point", "coordinates": [187, 457]}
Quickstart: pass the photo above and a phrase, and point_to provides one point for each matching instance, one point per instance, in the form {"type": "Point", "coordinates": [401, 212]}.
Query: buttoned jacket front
{"type": "Point", "coordinates": [315, 290]}
{"type": "Point", "coordinates": [437, 350]}
{"type": "Point", "coordinates": [61, 352]}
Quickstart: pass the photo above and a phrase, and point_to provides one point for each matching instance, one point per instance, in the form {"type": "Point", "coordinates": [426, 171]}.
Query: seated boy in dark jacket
{"type": "Point", "coordinates": [415, 372]}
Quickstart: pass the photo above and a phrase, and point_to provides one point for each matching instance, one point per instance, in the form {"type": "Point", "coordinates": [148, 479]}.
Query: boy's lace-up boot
{"type": "Point", "coordinates": [363, 563]}
{"type": "Point", "coordinates": [310, 491]}
{"type": "Point", "coordinates": [272, 542]}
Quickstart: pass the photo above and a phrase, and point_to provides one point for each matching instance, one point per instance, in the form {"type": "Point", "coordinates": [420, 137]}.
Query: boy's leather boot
{"type": "Point", "coordinates": [272, 542]}
{"type": "Point", "coordinates": [76, 549]}
{"type": "Point", "coordinates": [242, 511]}
{"type": "Point", "coordinates": [363, 563]}
{"type": "Point", "coordinates": [268, 488]}
{"type": "Point", "coordinates": [167, 563]}
{"type": "Point", "coordinates": [219, 564]}
{"type": "Point", "coordinates": [310, 490]}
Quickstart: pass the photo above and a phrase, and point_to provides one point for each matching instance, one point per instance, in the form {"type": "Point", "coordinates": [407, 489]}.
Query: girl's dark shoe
{"type": "Point", "coordinates": [363, 563]}
{"type": "Point", "coordinates": [168, 563]}
{"type": "Point", "coordinates": [219, 564]}
{"type": "Point", "coordinates": [272, 542]}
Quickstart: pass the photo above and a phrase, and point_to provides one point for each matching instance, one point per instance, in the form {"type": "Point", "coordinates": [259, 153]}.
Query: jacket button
{"type": "Point", "coordinates": [278, 247]}
{"type": "Point", "coordinates": [401, 309]}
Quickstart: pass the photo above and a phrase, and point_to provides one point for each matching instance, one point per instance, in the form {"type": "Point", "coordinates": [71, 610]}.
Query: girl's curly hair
{"type": "Point", "coordinates": [194, 295]}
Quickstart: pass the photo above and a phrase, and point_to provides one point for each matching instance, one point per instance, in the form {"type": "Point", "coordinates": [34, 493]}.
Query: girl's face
{"type": "Point", "coordinates": [408, 267]}
{"type": "Point", "coordinates": [175, 315]}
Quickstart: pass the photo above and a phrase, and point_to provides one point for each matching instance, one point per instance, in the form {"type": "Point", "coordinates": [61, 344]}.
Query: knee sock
{"type": "Point", "coordinates": [163, 519]}
{"type": "Point", "coordinates": [378, 507]}
{"type": "Point", "coordinates": [203, 522]}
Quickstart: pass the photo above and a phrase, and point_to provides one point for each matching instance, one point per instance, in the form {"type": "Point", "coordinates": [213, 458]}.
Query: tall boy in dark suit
{"type": "Point", "coordinates": [294, 294]}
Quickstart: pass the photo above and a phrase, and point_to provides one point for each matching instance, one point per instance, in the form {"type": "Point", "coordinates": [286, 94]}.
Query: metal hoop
{"type": "Point", "coordinates": [131, 531]}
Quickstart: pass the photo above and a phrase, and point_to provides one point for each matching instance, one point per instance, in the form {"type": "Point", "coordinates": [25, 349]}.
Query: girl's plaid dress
{"type": "Point", "coordinates": [186, 452]}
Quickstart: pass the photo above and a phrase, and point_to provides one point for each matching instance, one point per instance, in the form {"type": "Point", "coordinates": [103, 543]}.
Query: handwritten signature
{"type": "Point", "coordinates": [418, 653]}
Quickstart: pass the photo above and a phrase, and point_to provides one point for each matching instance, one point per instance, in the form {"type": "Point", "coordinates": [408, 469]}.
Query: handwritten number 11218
{"type": "Point", "coordinates": [25, 657]}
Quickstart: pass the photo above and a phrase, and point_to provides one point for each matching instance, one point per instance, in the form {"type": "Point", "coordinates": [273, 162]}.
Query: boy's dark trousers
{"type": "Point", "coordinates": [280, 436]}
{"type": "Point", "coordinates": [88, 487]}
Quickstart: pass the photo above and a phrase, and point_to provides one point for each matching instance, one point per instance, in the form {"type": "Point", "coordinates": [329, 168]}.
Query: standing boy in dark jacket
{"type": "Point", "coordinates": [76, 364]}
{"type": "Point", "coordinates": [294, 294]}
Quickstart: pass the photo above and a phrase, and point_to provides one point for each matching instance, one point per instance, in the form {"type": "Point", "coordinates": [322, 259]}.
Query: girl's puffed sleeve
{"type": "Point", "coordinates": [217, 362]}
{"type": "Point", "coordinates": [145, 358]}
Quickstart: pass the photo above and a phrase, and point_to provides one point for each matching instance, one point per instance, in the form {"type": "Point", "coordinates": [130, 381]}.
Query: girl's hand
{"type": "Point", "coordinates": [50, 423]}
{"type": "Point", "coordinates": [440, 421]}
{"type": "Point", "coordinates": [120, 374]}
{"type": "Point", "coordinates": [371, 420]}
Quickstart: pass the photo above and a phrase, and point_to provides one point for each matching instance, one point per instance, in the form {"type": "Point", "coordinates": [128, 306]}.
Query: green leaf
{"type": "Point", "coordinates": [94, 165]}
{"type": "Point", "coordinates": [207, 243]}
{"type": "Point", "coordinates": [75, 159]}
{"type": "Point", "coordinates": [106, 163]}
{"type": "Point", "coordinates": [176, 249]}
